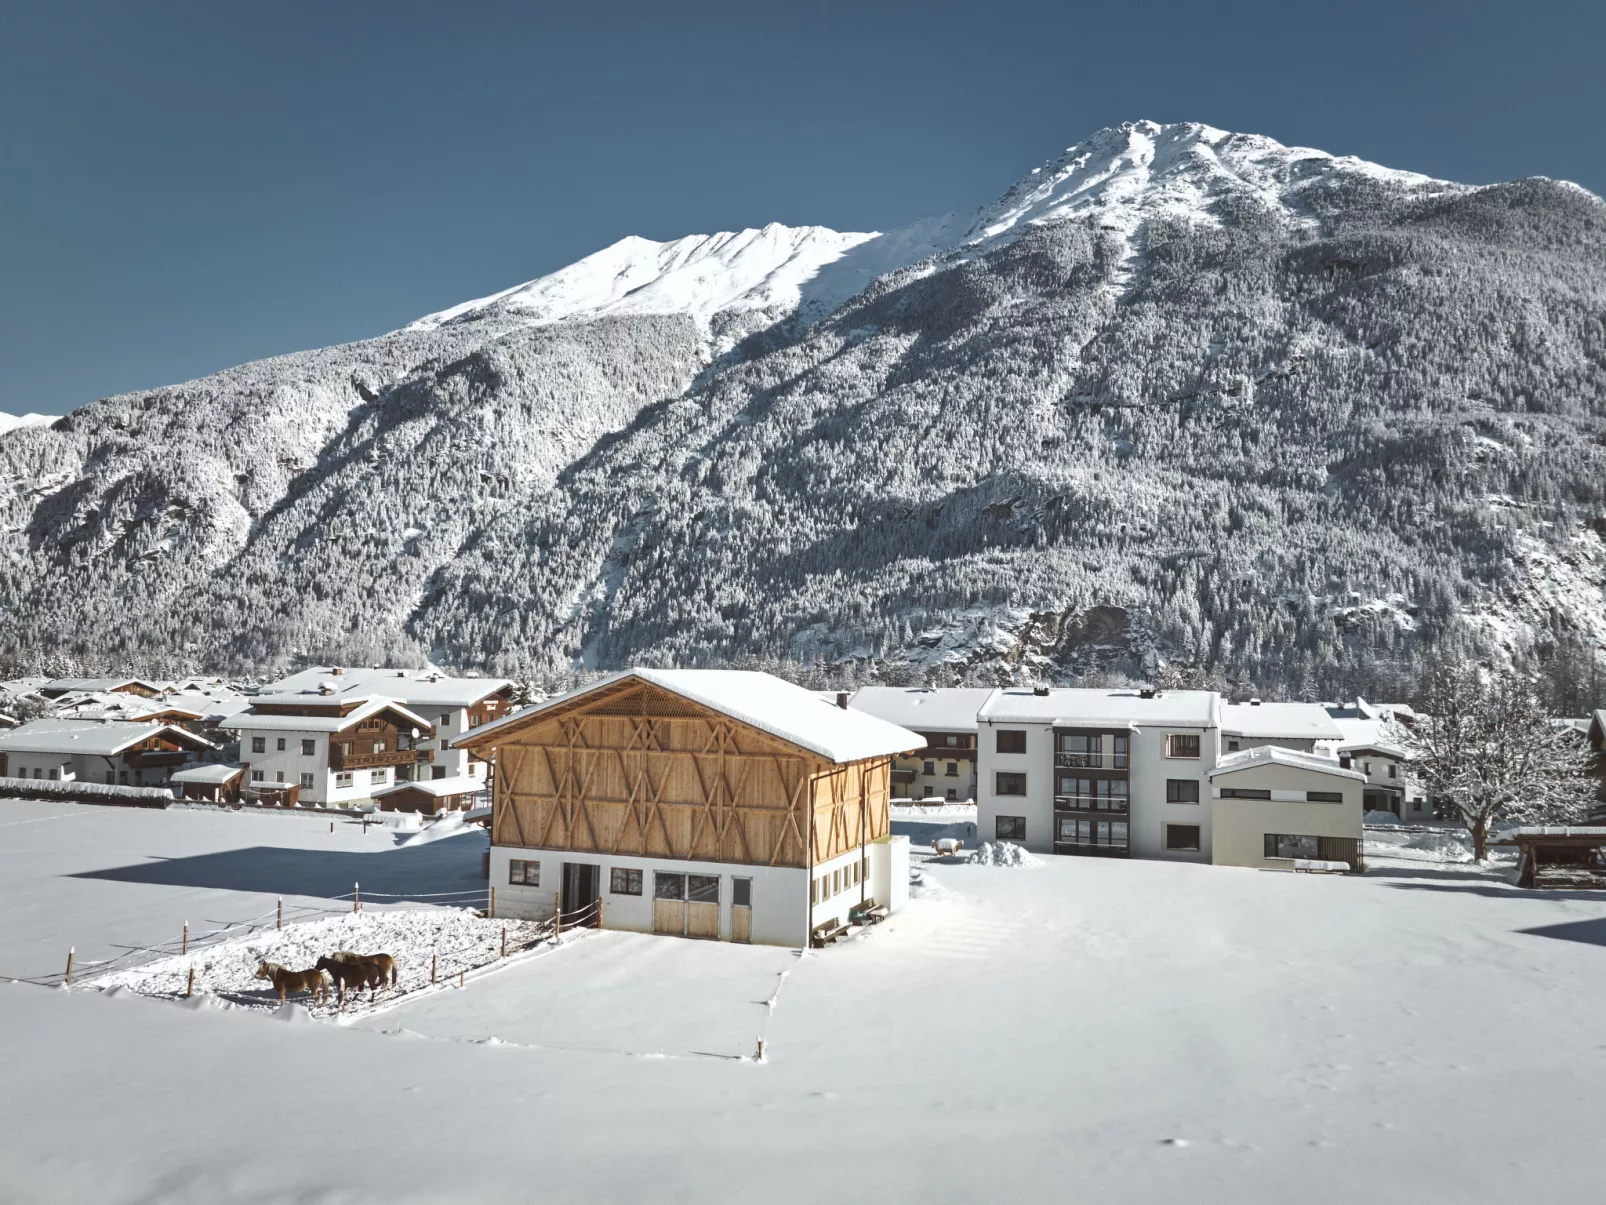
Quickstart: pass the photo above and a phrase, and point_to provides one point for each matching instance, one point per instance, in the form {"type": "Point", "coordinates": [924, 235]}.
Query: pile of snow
{"type": "Point", "coordinates": [1002, 853]}
{"type": "Point", "coordinates": [459, 940]}
{"type": "Point", "coordinates": [1439, 845]}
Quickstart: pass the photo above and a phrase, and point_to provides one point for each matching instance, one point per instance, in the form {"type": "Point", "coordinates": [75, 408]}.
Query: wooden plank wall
{"type": "Point", "coordinates": [644, 772]}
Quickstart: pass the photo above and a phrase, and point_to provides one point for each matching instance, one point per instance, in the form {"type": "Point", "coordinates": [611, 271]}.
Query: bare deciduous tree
{"type": "Point", "coordinates": [1487, 752]}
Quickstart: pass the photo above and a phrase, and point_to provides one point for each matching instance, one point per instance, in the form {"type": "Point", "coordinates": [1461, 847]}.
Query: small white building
{"type": "Point", "coordinates": [944, 768]}
{"type": "Point", "coordinates": [1302, 727]}
{"type": "Point", "coordinates": [108, 752]}
{"type": "Point", "coordinates": [1374, 742]}
{"type": "Point", "coordinates": [1273, 806]}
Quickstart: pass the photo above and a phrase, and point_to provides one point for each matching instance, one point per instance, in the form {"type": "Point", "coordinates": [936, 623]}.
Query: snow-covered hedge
{"type": "Point", "coordinates": [85, 792]}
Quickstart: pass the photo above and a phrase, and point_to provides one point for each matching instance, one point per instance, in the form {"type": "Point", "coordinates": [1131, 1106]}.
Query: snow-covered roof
{"type": "Point", "coordinates": [411, 687]}
{"type": "Point", "coordinates": [757, 699]}
{"type": "Point", "coordinates": [212, 775]}
{"type": "Point", "coordinates": [1290, 721]}
{"type": "Point", "coordinates": [924, 709]}
{"type": "Point", "coordinates": [1276, 755]}
{"type": "Point", "coordinates": [66, 685]}
{"type": "Point", "coordinates": [1069, 707]}
{"type": "Point", "coordinates": [254, 721]}
{"type": "Point", "coordinates": [1553, 830]}
{"type": "Point", "coordinates": [459, 784]}
{"type": "Point", "coordinates": [104, 738]}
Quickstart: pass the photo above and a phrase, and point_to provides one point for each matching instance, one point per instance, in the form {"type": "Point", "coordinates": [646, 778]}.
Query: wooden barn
{"type": "Point", "coordinates": [700, 803]}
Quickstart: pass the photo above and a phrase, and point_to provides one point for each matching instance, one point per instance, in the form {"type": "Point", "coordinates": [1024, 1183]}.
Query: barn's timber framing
{"type": "Point", "coordinates": [634, 769]}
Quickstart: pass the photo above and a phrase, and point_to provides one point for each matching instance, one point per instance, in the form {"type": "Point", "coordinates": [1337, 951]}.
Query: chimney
{"type": "Point", "coordinates": [1040, 691]}
{"type": "Point", "coordinates": [1254, 702]}
{"type": "Point", "coordinates": [1148, 692]}
{"type": "Point", "coordinates": [842, 699]}
{"type": "Point", "coordinates": [337, 671]}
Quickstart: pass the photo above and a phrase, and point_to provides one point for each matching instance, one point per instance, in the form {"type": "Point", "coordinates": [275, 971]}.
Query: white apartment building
{"type": "Point", "coordinates": [108, 752]}
{"type": "Point", "coordinates": [944, 769]}
{"type": "Point", "coordinates": [1123, 773]}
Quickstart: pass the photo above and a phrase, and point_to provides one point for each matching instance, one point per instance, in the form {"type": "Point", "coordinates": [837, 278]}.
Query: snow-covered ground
{"type": "Point", "coordinates": [1134, 1031]}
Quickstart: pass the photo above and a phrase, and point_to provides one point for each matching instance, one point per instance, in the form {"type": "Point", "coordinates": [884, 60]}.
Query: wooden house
{"type": "Point", "coordinates": [700, 803]}
{"type": "Point", "coordinates": [431, 796]}
{"type": "Point", "coordinates": [211, 783]}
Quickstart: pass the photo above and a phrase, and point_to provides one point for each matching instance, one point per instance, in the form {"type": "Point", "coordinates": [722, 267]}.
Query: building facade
{"type": "Point", "coordinates": [943, 769]}
{"type": "Point", "coordinates": [109, 752]}
{"type": "Point", "coordinates": [701, 803]}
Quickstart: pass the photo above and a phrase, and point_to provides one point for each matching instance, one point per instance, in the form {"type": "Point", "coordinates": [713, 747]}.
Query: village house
{"type": "Point", "coordinates": [108, 752]}
{"type": "Point", "coordinates": [56, 687]}
{"type": "Point", "coordinates": [944, 768]}
{"type": "Point", "coordinates": [432, 796]}
{"type": "Point", "coordinates": [1302, 727]}
{"type": "Point", "coordinates": [720, 804]}
{"type": "Point", "coordinates": [452, 707]}
{"type": "Point", "coordinates": [1374, 743]}
{"type": "Point", "coordinates": [211, 783]}
{"type": "Point", "coordinates": [1143, 773]}
{"type": "Point", "coordinates": [328, 748]}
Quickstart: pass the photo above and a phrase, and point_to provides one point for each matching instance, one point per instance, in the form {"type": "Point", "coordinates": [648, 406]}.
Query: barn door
{"type": "Point", "coordinates": [669, 903]}
{"type": "Point", "coordinates": [702, 905]}
{"type": "Point", "coordinates": [581, 883]}
{"type": "Point", "coordinates": [741, 909]}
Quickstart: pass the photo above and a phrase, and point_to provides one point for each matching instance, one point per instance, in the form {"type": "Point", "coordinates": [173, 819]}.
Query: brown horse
{"type": "Point", "coordinates": [359, 970]}
{"type": "Point", "coordinates": [286, 981]}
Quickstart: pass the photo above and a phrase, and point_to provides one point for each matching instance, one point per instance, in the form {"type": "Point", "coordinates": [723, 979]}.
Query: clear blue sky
{"type": "Point", "coordinates": [187, 186]}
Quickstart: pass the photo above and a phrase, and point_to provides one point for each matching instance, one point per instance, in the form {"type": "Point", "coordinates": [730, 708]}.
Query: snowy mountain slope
{"type": "Point", "coordinates": [10, 422]}
{"type": "Point", "coordinates": [1179, 394]}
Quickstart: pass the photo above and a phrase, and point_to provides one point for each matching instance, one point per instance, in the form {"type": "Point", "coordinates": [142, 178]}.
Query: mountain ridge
{"type": "Point", "coordinates": [511, 483]}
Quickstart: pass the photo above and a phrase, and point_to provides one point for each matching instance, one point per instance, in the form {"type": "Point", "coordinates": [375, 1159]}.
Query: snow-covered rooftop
{"type": "Point", "coordinates": [97, 737]}
{"type": "Point", "coordinates": [1291, 721]}
{"type": "Point", "coordinates": [760, 700]}
{"type": "Point", "coordinates": [58, 686]}
{"type": "Point", "coordinates": [212, 775]}
{"type": "Point", "coordinates": [411, 687]}
{"type": "Point", "coordinates": [1071, 707]}
{"type": "Point", "coordinates": [458, 784]}
{"type": "Point", "coordinates": [1276, 755]}
{"type": "Point", "coordinates": [255, 721]}
{"type": "Point", "coordinates": [924, 709]}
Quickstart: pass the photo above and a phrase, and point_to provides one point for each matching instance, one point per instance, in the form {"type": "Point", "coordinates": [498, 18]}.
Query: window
{"type": "Point", "coordinates": [524, 874]}
{"type": "Point", "coordinates": [1416, 804]}
{"type": "Point", "coordinates": [702, 888]}
{"type": "Point", "coordinates": [376, 777]}
{"type": "Point", "coordinates": [343, 780]}
{"type": "Point", "coordinates": [280, 744]}
{"type": "Point", "coordinates": [55, 775]}
{"type": "Point", "coordinates": [953, 795]}
{"type": "Point", "coordinates": [1104, 794]}
{"type": "Point", "coordinates": [1010, 828]}
{"type": "Point", "coordinates": [953, 769]}
{"type": "Point", "coordinates": [446, 720]}
{"type": "Point", "coordinates": [1182, 745]}
{"type": "Point", "coordinates": [309, 748]}
{"type": "Point", "coordinates": [306, 782]}
{"type": "Point", "coordinates": [742, 893]}
{"type": "Point", "coordinates": [836, 882]}
{"type": "Point", "coordinates": [1009, 784]}
{"type": "Point", "coordinates": [404, 774]}
{"type": "Point", "coordinates": [951, 740]}
{"type": "Point", "coordinates": [111, 777]}
{"type": "Point", "coordinates": [1244, 793]}
{"type": "Point", "coordinates": [279, 776]}
{"type": "Point", "coordinates": [256, 776]}
{"type": "Point", "coordinates": [1109, 834]}
{"type": "Point", "coordinates": [379, 746]}
{"type": "Point", "coordinates": [668, 885]}
{"type": "Point", "coordinates": [1281, 845]}
{"type": "Point", "coordinates": [1394, 771]}
{"type": "Point", "coordinates": [1367, 769]}
{"type": "Point", "coordinates": [929, 767]}
{"type": "Point", "coordinates": [1232, 746]}
{"type": "Point", "coordinates": [437, 771]}
{"type": "Point", "coordinates": [1011, 740]}
{"type": "Point", "coordinates": [345, 748]}
{"type": "Point", "coordinates": [259, 744]}
{"type": "Point", "coordinates": [122, 777]}
{"type": "Point", "coordinates": [624, 881]}
{"type": "Point", "coordinates": [1182, 836]}
{"type": "Point", "coordinates": [1182, 790]}
{"type": "Point", "coordinates": [475, 720]}
{"type": "Point", "coordinates": [1324, 797]}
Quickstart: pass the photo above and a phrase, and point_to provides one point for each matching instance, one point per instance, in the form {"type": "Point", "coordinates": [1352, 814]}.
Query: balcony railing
{"type": "Point", "coordinates": [1091, 803]}
{"type": "Point", "coordinates": [1091, 761]}
{"type": "Point", "coordinates": [390, 757]}
{"type": "Point", "coordinates": [145, 759]}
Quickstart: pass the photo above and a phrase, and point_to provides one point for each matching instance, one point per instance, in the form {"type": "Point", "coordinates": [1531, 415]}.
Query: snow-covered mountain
{"type": "Point", "coordinates": [1178, 394]}
{"type": "Point", "coordinates": [10, 422]}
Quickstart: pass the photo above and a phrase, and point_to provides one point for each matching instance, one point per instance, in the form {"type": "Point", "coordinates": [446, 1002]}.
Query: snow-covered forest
{"type": "Point", "coordinates": [1180, 397]}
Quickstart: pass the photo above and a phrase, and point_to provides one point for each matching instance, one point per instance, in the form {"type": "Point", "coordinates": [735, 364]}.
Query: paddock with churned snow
{"type": "Point", "coordinates": [1088, 1029]}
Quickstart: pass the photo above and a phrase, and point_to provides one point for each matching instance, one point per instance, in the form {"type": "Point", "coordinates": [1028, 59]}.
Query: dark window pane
{"type": "Point", "coordinates": [702, 888]}
{"type": "Point", "coordinates": [742, 892]}
{"type": "Point", "coordinates": [668, 886]}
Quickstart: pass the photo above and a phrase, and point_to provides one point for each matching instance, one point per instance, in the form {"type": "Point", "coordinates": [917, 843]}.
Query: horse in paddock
{"type": "Point", "coordinates": [286, 981]}
{"type": "Point", "coordinates": [359, 970]}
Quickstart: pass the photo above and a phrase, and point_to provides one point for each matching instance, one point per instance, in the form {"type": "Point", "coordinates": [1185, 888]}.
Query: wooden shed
{"type": "Point", "coordinates": [210, 783]}
{"type": "Point", "coordinates": [739, 805]}
{"type": "Point", "coordinates": [1555, 855]}
{"type": "Point", "coordinates": [431, 796]}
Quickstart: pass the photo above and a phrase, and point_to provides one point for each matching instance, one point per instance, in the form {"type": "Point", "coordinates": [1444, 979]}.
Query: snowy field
{"type": "Point", "coordinates": [1081, 1030]}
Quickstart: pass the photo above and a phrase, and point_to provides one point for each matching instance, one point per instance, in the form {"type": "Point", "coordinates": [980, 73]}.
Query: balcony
{"type": "Point", "coordinates": [1104, 804]}
{"type": "Point", "coordinates": [1091, 761]}
{"type": "Point", "coordinates": [151, 759]}
{"type": "Point", "coordinates": [369, 761]}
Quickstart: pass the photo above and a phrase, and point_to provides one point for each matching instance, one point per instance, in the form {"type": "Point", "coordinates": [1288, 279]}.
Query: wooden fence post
{"type": "Point", "coordinates": [190, 990]}
{"type": "Point", "coordinates": [557, 912]}
{"type": "Point", "coordinates": [186, 948]}
{"type": "Point", "coordinates": [460, 975]}
{"type": "Point", "coordinates": [69, 965]}
{"type": "Point", "coordinates": [760, 1057]}
{"type": "Point", "coordinates": [491, 912]}
{"type": "Point", "coordinates": [433, 959]}
{"type": "Point", "coordinates": [356, 897]}
{"type": "Point", "coordinates": [278, 922]}
{"type": "Point", "coordinates": [599, 912]}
